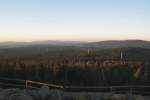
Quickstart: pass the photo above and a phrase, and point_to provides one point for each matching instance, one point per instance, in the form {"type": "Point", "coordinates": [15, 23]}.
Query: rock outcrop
{"type": "Point", "coordinates": [44, 93]}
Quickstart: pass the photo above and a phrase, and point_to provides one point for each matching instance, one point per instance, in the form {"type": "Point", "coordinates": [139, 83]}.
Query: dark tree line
{"type": "Point", "coordinates": [63, 65]}
{"type": "Point", "coordinates": [81, 74]}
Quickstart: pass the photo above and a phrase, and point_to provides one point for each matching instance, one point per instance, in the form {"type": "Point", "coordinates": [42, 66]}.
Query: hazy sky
{"type": "Point", "coordinates": [87, 20]}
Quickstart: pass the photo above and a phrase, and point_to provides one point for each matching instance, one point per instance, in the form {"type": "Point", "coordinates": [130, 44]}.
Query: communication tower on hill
{"type": "Point", "coordinates": [121, 55]}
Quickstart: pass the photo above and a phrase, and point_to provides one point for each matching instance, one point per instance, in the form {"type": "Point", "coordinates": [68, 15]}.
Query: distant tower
{"type": "Point", "coordinates": [121, 55]}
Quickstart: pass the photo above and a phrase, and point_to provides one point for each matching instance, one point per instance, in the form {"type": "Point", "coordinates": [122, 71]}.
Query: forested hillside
{"type": "Point", "coordinates": [69, 65]}
{"type": "Point", "coordinates": [119, 43]}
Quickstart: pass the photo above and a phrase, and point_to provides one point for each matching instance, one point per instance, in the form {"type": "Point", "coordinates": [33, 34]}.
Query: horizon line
{"type": "Point", "coordinates": [75, 40]}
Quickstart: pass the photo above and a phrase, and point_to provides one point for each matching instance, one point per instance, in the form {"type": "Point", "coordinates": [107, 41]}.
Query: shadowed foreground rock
{"type": "Point", "coordinates": [46, 94]}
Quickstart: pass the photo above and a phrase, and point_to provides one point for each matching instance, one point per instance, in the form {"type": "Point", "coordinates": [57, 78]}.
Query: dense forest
{"type": "Point", "coordinates": [69, 65]}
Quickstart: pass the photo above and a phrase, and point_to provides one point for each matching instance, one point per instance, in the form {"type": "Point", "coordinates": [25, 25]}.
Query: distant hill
{"type": "Point", "coordinates": [61, 52]}
{"type": "Point", "coordinates": [46, 42]}
{"type": "Point", "coordinates": [129, 53]}
{"type": "Point", "coordinates": [11, 44]}
{"type": "Point", "coordinates": [101, 44]}
{"type": "Point", "coordinates": [58, 42]}
{"type": "Point", "coordinates": [119, 43]}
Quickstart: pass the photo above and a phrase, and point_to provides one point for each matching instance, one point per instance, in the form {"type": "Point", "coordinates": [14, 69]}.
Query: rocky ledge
{"type": "Point", "coordinates": [46, 94]}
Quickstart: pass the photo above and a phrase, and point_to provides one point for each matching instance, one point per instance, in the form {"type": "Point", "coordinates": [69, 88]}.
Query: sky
{"type": "Point", "coordinates": [74, 20]}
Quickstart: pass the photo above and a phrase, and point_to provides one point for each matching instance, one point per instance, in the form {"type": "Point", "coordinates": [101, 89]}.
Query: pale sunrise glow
{"type": "Point", "coordinates": [83, 20]}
